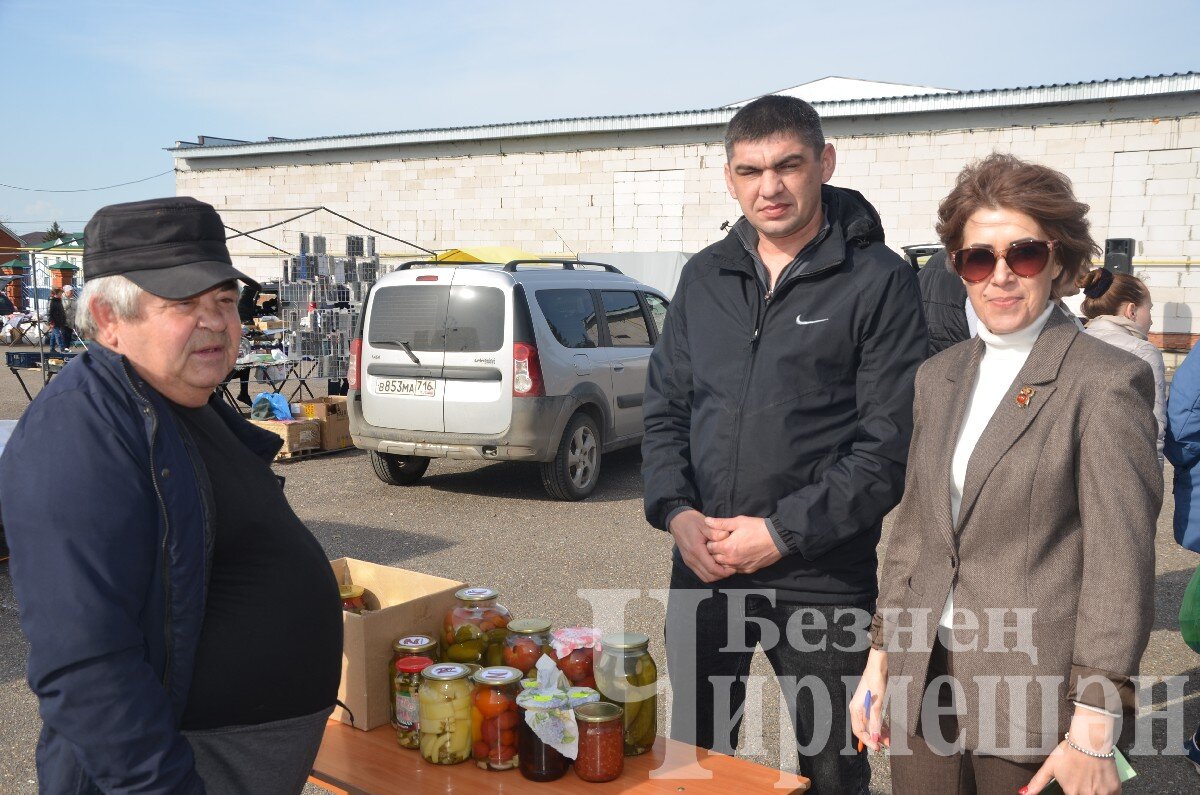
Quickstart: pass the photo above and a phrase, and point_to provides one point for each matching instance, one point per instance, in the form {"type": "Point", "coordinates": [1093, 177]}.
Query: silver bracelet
{"type": "Point", "coordinates": [1112, 753]}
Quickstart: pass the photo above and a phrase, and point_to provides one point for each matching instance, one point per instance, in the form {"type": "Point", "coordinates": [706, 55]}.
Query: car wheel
{"type": "Point", "coordinates": [398, 470]}
{"type": "Point", "coordinates": [573, 473]}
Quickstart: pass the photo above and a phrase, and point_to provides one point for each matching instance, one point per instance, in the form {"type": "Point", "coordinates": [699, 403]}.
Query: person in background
{"type": "Point", "coordinates": [184, 626]}
{"type": "Point", "coordinates": [1118, 310]}
{"type": "Point", "coordinates": [57, 315]}
{"type": "Point", "coordinates": [944, 300]}
{"type": "Point", "coordinates": [1182, 449]}
{"type": "Point", "coordinates": [69, 302]}
{"type": "Point", "coordinates": [247, 310]}
{"type": "Point", "coordinates": [1031, 499]}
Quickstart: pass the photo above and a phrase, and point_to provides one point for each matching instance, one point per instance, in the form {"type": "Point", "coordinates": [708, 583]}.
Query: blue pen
{"type": "Point", "coordinates": [866, 715]}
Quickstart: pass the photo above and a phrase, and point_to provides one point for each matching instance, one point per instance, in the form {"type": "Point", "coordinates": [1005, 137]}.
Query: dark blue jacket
{"type": "Point", "coordinates": [1182, 449]}
{"type": "Point", "coordinates": [110, 574]}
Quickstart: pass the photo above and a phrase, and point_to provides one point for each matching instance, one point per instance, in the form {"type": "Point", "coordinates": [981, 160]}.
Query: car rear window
{"type": "Point", "coordinates": [571, 315]}
{"type": "Point", "coordinates": [475, 320]}
{"type": "Point", "coordinates": [438, 318]}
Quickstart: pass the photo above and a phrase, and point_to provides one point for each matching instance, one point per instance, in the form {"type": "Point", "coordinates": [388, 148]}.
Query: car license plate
{"type": "Point", "coordinates": [406, 387]}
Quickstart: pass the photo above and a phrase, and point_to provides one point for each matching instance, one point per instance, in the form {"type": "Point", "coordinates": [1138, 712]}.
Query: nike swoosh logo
{"type": "Point", "coordinates": [800, 322]}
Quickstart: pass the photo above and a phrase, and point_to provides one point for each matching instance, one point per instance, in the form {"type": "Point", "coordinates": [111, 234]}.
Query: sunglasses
{"type": "Point", "coordinates": [1026, 259]}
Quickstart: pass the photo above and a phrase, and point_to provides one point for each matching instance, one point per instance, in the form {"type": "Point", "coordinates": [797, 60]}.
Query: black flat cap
{"type": "Point", "coordinates": [174, 247]}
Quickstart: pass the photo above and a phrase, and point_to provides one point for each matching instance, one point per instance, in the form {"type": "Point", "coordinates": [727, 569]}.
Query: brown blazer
{"type": "Point", "coordinates": [1057, 520]}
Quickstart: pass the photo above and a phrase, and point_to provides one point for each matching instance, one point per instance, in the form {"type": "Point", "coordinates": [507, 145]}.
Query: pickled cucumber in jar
{"type": "Point", "coordinates": [627, 676]}
{"type": "Point", "coordinates": [445, 714]}
{"type": "Point", "coordinates": [475, 626]}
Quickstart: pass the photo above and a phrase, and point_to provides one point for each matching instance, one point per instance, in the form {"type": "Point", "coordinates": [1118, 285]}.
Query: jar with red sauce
{"type": "Point", "coordinates": [601, 742]}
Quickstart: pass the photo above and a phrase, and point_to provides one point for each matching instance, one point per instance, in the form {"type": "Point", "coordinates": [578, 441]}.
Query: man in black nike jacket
{"type": "Point", "coordinates": [778, 412]}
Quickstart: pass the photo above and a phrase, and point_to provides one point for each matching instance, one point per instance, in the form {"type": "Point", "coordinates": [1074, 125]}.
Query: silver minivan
{"type": "Point", "coordinates": [540, 361]}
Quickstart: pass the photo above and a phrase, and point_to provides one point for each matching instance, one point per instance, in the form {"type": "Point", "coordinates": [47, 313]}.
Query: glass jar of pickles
{"type": "Point", "coordinates": [421, 646]}
{"type": "Point", "coordinates": [538, 761]}
{"type": "Point", "coordinates": [445, 714]}
{"type": "Point", "coordinates": [474, 630]}
{"type": "Point", "coordinates": [626, 676]}
{"type": "Point", "coordinates": [574, 649]}
{"type": "Point", "coordinates": [494, 718]}
{"type": "Point", "coordinates": [406, 705]}
{"type": "Point", "coordinates": [528, 639]}
{"type": "Point", "coordinates": [415, 646]}
{"type": "Point", "coordinates": [601, 742]}
{"type": "Point", "coordinates": [353, 598]}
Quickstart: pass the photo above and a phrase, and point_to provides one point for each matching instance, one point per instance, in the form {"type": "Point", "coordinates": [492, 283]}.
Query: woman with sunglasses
{"type": "Point", "coordinates": [1016, 591]}
{"type": "Point", "coordinates": [1118, 310]}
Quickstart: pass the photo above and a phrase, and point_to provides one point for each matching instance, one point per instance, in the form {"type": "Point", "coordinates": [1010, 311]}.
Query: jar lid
{"type": "Point", "coordinates": [497, 675]}
{"type": "Point", "coordinates": [475, 594]}
{"type": "Point", "coordinates": [351, 591]}
{"type": "Point", "coordinates": [578, 696]}
{"type": "Point", "coordinates": [542, 699]}
{"type": "Point", "coordinates": [597, 712]}
{"type": "Point", "coordinates": [626, 640]}
{"type": "Point", "coordinates": [413, 665]}
{"type": "Point", "coordinates": [414, 643]}
{"type": "Point", "coordinates": [445, 672]}
{"type": "Point", "coordinates": [529, 626]}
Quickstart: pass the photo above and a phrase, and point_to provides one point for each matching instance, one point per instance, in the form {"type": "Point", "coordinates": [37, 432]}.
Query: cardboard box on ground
{"type": "Point", "coordinates": [401, 603]}
{"type": "Point", "coordinates": [297, 435]}
{"type": "Point", "coordinates": [332, 413]}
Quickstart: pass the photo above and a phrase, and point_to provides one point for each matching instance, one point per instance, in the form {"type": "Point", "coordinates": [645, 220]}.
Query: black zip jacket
{"type": "Point", "coordinates": [944, 300]}
{"type": "Point", "coordinates": [795, 405]}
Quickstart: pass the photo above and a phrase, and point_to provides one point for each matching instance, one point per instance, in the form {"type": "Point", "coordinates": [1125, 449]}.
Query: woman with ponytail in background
{"type": "Point", "coordinates": [1118, 311]}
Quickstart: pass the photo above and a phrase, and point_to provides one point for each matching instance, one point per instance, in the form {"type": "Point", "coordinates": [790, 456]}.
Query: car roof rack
{"type": "Point", "coordinates": [511, 265]}
{"type": "Point", "coordinates": [567, 264]}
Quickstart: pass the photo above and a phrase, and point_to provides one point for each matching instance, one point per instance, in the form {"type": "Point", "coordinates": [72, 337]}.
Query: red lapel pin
{"type": "Point", "coordinates": [1025, 396]}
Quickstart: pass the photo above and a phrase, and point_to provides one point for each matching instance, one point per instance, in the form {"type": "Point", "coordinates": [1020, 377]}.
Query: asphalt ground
{"type": "Point", "coordinates": [492, 524]}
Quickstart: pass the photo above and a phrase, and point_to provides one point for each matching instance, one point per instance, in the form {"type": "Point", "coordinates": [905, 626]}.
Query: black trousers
{"type": "Point", "coordinates": [708, 673]}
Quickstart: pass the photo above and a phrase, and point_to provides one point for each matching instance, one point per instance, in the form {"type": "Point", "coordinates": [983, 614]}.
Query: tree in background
{"type": "Point", "coordinates": [54, 233]}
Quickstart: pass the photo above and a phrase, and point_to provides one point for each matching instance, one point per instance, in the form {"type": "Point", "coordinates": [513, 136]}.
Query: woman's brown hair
{"type": "Point", "coordinates": [1106, 292]}
{"type": "Point", "coordinates": [1045, 195]}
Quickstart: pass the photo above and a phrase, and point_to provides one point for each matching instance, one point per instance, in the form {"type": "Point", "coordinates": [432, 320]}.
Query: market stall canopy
{"type": "Point", "coordinates": [485, 254]}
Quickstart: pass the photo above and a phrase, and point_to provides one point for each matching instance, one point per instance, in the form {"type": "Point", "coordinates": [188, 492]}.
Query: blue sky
{"type": "Point", "coordinates": [97, 90]}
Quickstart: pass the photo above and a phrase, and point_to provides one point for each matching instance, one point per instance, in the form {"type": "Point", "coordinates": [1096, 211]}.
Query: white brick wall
{"type": "Point", "coordinates": [1141, 178]}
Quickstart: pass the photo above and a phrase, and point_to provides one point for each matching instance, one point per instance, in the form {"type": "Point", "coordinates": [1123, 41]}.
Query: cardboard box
{"type": "Point", "coordinates": [335, 432]}
{"type": "Point", "coordinates": [324, 407]}
{"type": "Point", "coordinates": [297, 435]}
{"type": "Point", "coordinates": [402, 603]}
{"type": "Point", "coordinates": [331, 412]}
{"type": "Point", "coordinates": [268, 324]}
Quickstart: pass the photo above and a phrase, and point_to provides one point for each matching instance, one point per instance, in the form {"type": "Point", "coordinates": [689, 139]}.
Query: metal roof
{"type": "Point", "coordinates": [1092, 91]}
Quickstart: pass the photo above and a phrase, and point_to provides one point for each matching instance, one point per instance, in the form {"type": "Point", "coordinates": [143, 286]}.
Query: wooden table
{"type": "Point", "coordinates": [353, 762]}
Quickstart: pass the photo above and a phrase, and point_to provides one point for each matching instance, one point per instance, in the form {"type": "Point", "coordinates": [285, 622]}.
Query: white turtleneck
{"type": "Point", "coordinates": [1003, 357]}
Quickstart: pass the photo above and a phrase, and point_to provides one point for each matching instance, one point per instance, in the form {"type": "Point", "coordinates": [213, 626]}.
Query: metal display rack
{"type": "Point", "coordinates": [320, 298]}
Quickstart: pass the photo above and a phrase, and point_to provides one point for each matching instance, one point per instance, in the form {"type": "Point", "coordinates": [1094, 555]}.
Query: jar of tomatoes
{"type": "Point", "coordinates": [445, 700]}
{"type": "Point", "coordinates": [539, 761]}
{"type": "Point", "coordinates": [494, 718]}
{"type": "Point", "coordinates": [474, 630]}
{"type": "Point", "coordinates": [575, 649]}
{"type": "Point", "coordinates": [353, 600]}
{"type": "Point", "coordinates": [626, 676]}
{"type": "Point", "coordinates": [406, 705]}
{"type": "Point", "coordinates": [528, 639]}
{"type": "Point", "coordinates": [601, 742]}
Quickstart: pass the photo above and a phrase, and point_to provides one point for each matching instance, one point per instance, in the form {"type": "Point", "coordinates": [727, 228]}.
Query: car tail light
{"type": "Point", "coordinates": [527, 371]}
{"type": "Point", "coordinates": [352, 374]}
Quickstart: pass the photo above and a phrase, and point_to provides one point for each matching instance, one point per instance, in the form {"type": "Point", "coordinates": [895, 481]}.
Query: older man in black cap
{"type": "Point", "coordinates": [184, 625]}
